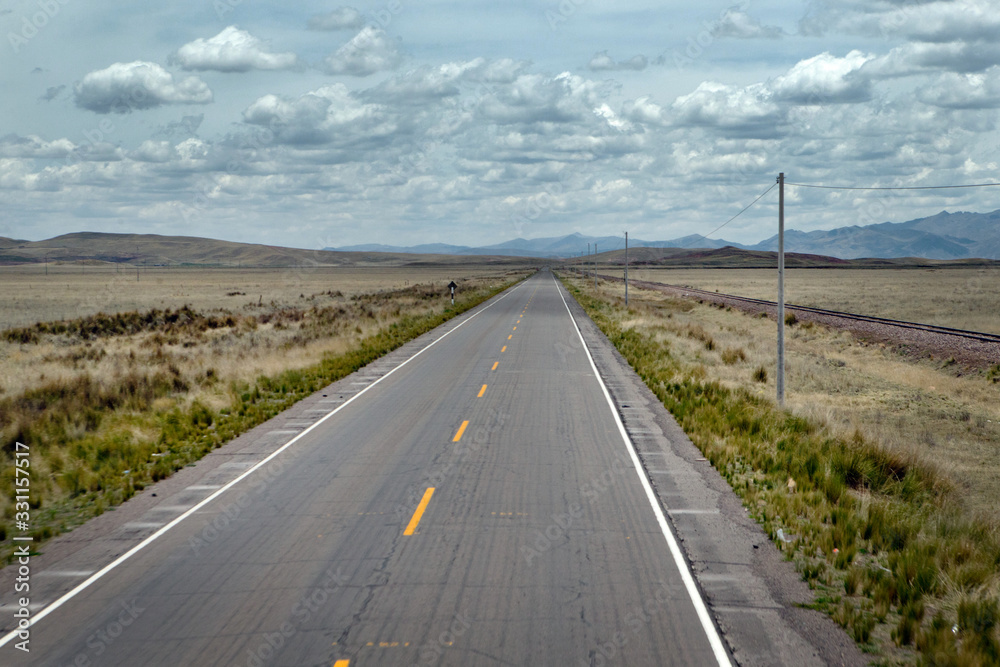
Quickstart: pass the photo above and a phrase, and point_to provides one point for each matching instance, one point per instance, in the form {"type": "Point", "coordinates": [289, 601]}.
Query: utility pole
{"type": "Point", "coordinates": [626, 269]}
{"type": "Point", "coordinates": [781, 289]}
{"type": "Point", "coordinates": [588, 255]}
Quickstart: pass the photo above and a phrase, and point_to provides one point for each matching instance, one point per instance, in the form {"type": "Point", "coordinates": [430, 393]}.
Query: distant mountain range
{"type": "Point", "coordinates": [943, 236]}
{"type": "Point", "coordinates": [150, 250]}
{"type": "Point", "coordinates": [572, 245]}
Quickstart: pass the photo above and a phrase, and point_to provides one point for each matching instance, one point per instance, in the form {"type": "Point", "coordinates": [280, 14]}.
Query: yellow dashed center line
{"type": "Point", "coordinates": [412, 526]}
{"type": "Point", "coordinates": [481, 392]}
{"type": "Point", "coordinates": [461, 430]}
{"type": "Point", "coordinates": [515, 329]}
{"type": "Point", "coordinates": [503, 349]}
{"type": "Point", "coordinates": [495, 364]}
{"type": "Point", "coordinates": [510, 336]}
{"type": "Point", "coordinates": [342, 663]}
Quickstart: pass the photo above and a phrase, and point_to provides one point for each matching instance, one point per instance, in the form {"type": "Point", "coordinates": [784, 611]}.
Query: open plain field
{"type": "Point", "coordinates": [34, 293]}
{"type": "Point", "coordinates": [962, 298]}
{"type": "Point", "coordinates": [923, 409]}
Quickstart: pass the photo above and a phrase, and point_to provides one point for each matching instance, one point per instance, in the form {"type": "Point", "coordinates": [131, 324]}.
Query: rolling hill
{"type": "Point", "coordinates": [156, 250]}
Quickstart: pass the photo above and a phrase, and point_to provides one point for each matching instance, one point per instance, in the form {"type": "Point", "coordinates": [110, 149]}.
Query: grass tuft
{"type": "Point", "coordinates": [733, 355]}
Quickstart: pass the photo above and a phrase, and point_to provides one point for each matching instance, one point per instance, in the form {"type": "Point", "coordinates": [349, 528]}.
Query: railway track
{"type": "Point", "coordinates": [979, 336]}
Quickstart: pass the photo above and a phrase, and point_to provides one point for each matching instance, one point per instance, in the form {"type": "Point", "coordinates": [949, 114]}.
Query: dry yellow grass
{"type": "Point", "coordinates": [78, 292]}
{"type": "Point", "coordinates": [964, 298]}
{"type": "Point", "coordinates": [948, 421]}
{"type": "Point", "coordinates": [72, 291]}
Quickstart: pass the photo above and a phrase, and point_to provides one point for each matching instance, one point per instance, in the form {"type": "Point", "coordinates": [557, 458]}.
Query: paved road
{"type": "Point", "coordinates": [477, 506]}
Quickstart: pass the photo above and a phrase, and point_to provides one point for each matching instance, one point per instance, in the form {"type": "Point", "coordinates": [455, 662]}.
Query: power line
{"type": "Point", "coordinates": [920, 187]}
{"type": "Point", "coordinates": [748, 206]}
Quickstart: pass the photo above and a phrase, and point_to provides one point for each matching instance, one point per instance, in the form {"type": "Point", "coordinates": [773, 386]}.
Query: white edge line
{"type": "Point", "coordinates": [692, 588]}
{"type": "Point", "coordinates": [149, 540]}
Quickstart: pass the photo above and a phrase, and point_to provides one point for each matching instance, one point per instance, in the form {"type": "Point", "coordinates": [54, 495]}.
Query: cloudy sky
{"type": "Point", "coordinates": [317, 124]}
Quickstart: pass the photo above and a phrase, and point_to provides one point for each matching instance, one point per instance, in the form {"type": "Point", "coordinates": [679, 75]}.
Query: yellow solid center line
{"type": "Point", "coordinates": [412, 526]}
{"type": "Point", "coordinates": [495, 364]}
{"type": "Point", "coordinates": [342, 663]}
{"type": "Point", "coordinates": [481, 392]}
{"type": "Point", "coordinates": [503, 349]}
{"type": "Point", "coordinates": [461, 430]}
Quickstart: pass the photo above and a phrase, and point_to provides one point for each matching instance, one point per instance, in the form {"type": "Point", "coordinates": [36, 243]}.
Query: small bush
{"type": "Point", "coordinates": [910, 617]}
{"type": "Point", "coordinates": [977, 620]}
{"type": "Point", "coordinates": [760, 375]}
{"type": "Point", "coordinates": [790, 319]}
{"type": "Point", "coordinates": [733, 355]}
{"type": "Point", "coordinates": [852, 581]}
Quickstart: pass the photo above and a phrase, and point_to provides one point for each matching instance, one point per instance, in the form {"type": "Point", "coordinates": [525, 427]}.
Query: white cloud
{"type": "Point", "coordinates": [342, 18]}
{"type": "Point", "coordinates": [933, 21]}
{"type": "Point", "coordinates": [611, 118]}
{"type": "Point", "coordinates": [504, 70]}
{"type": "Point", "coordinates": [124, 87]}
{"type": "Point", "coordinates": [942, 21]}
{"type": "Point", "coordinates": [824, 79]}
{"type": "Point", "coordinates": [368, 52]}
{"type": "Point", "coordinates": [448, 80]}
{"type": "Point", "coordinates": [536, 98]}
{"type": "Point", "coordinates": [644, 110]}
{"type": "Point", "coordinates": [963, 91]}
{"type": "Point", "coordinates": [921, 57]}
{"type": "Point", "coordinates": [425, 83]}
{"type": "Point", "coordinates": [328, 115]}
{"type": "Point", "coordinates": [17, 175]}
{"type": "Point", "coordinates": [602, 62]}
{"type": "Point", "coordinates": [739, 24]}
{"type": "Point", "coordinates": [232, 50]}
{"type": "Point", "coordinates": [746, 111]}
{"type": "Point", "coordinates": [154, 151]}
{"type": "Point", "coordinates": [33, 146]}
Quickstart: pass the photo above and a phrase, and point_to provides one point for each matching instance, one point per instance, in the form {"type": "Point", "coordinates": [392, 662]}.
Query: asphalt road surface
{"type": "Point", "coordinates": [479, 505]}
